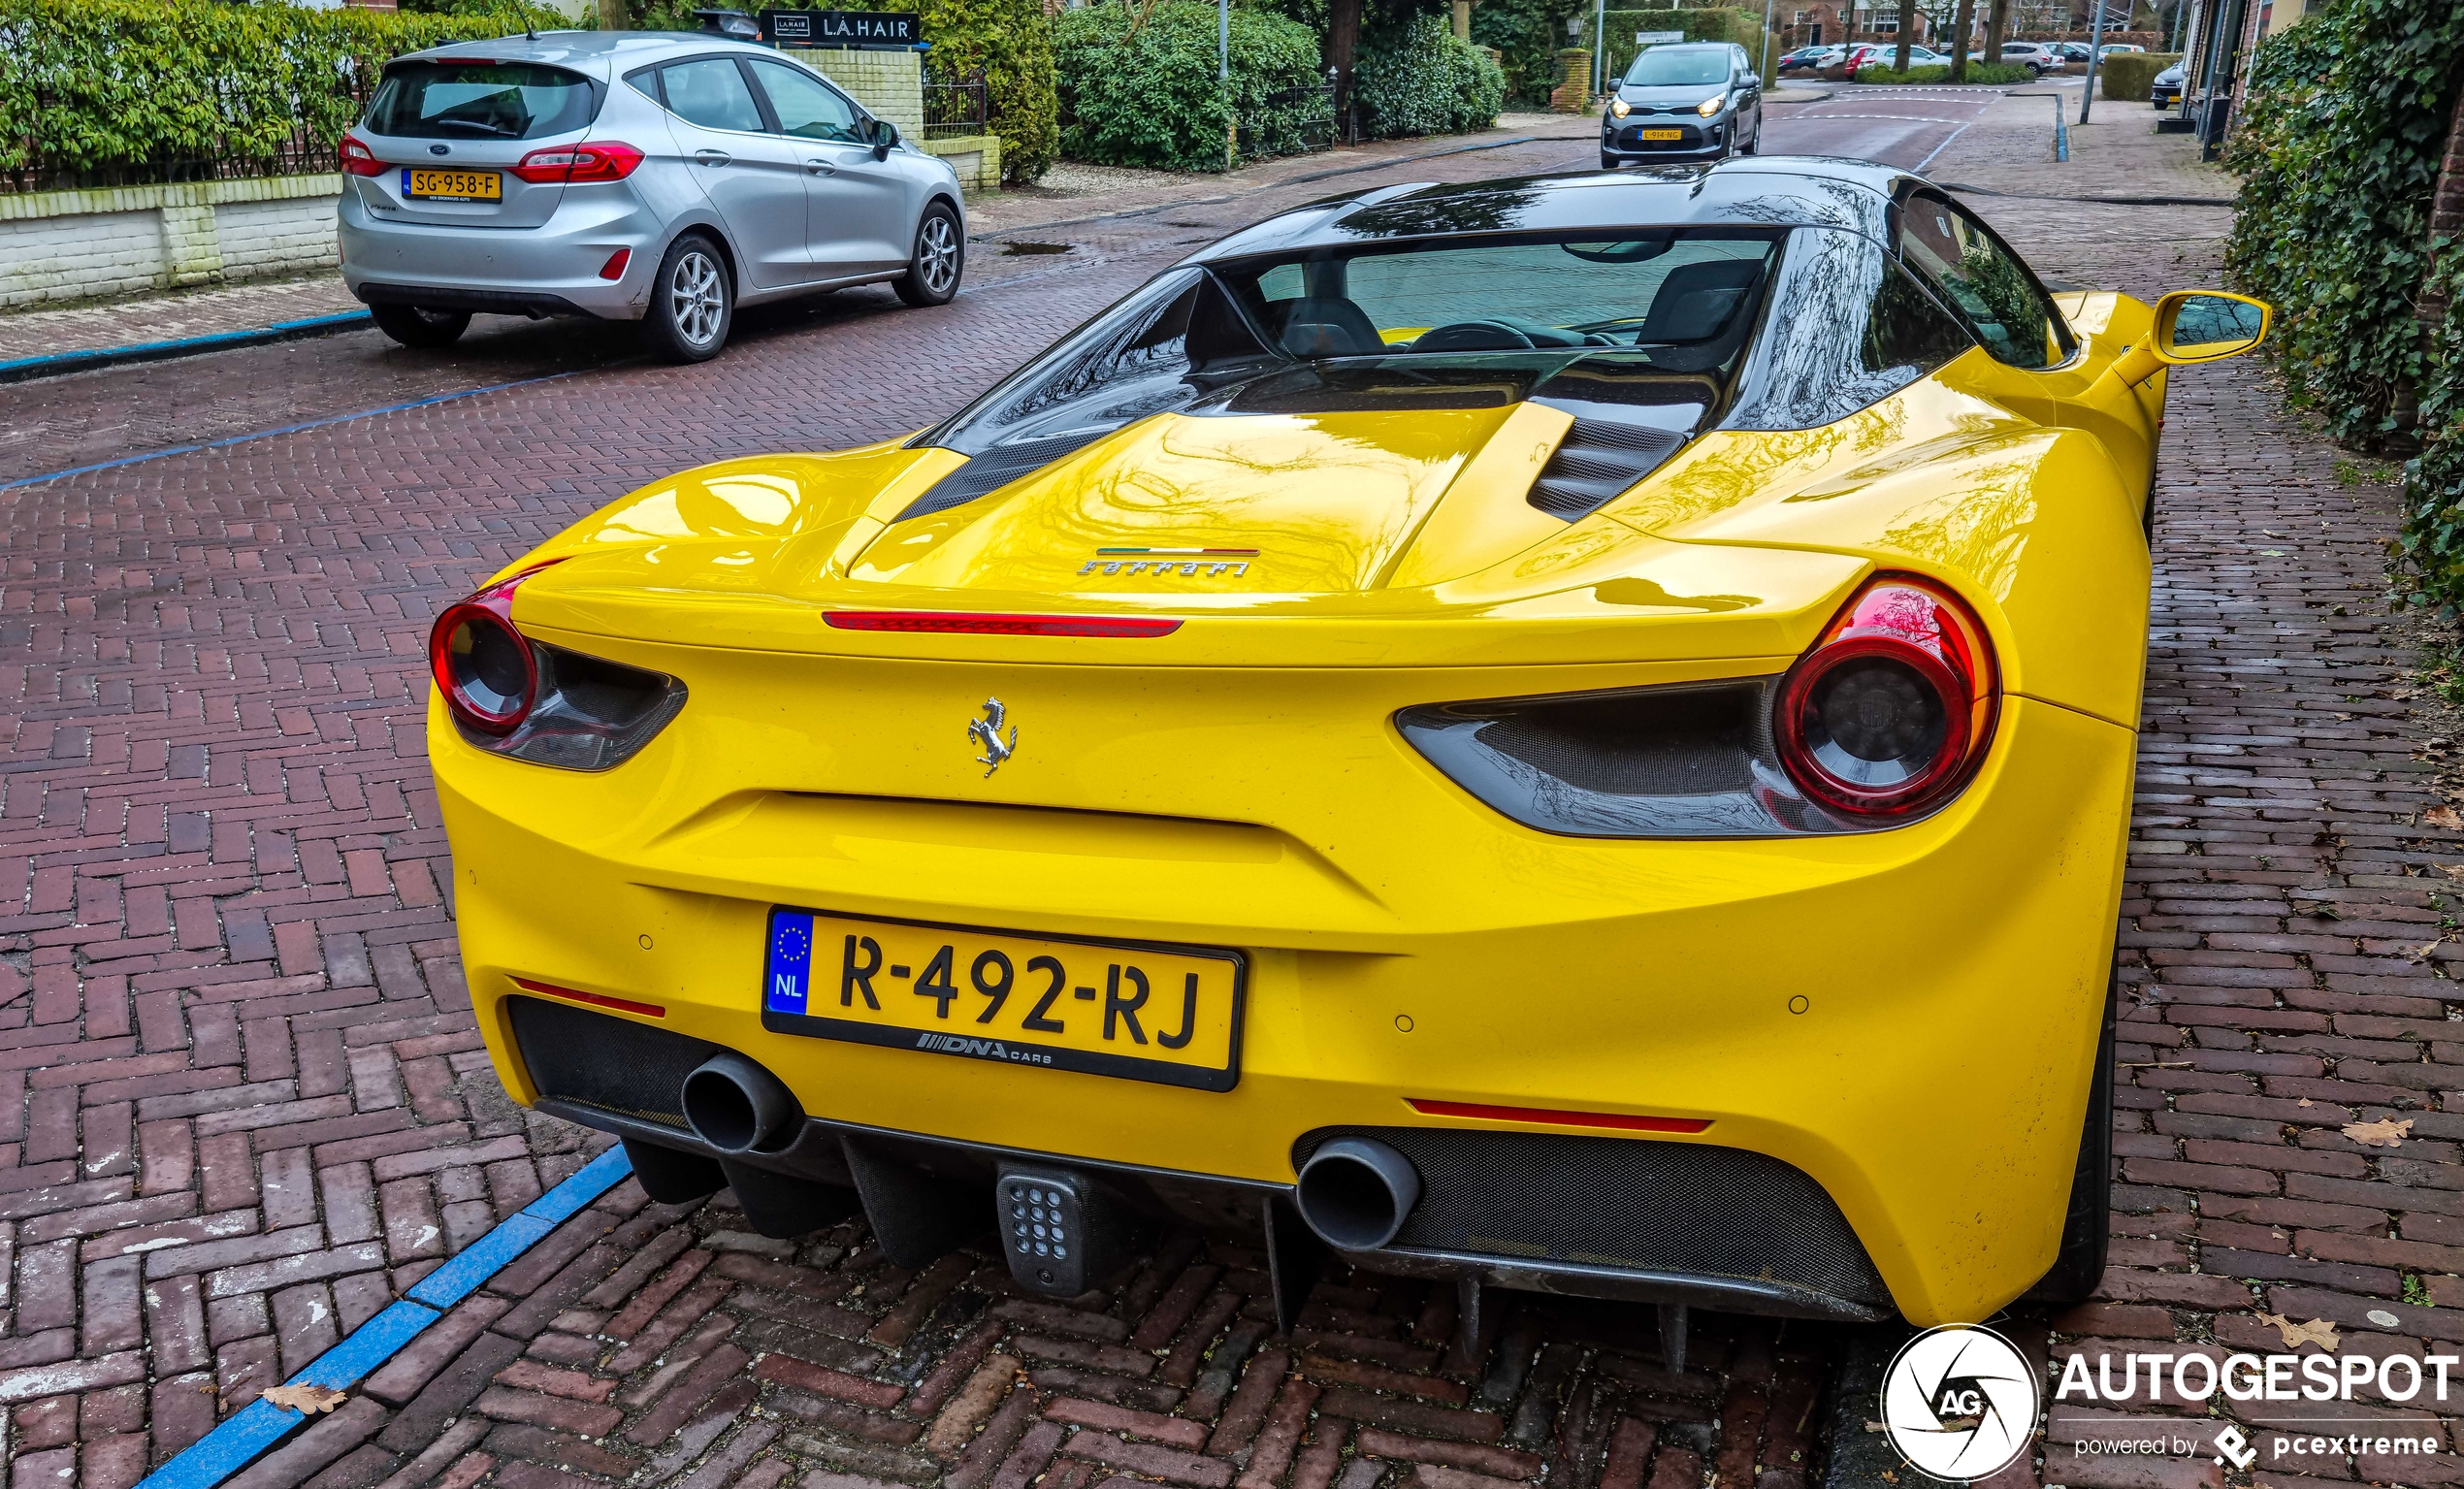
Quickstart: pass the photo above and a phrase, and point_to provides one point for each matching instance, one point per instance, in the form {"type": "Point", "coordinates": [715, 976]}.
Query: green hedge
{"type": "Point", "coordinates": [1710, 23]}
{"type": "Point", "coordinates": [1424, 82]}
{"type": "Point", "coordinates": [1155, 98]}
{"type": "Point", "coordinates": [138, 90]}
{"type": "Point", "coordinates": [1977, 72]}
{"type": "Point", "coordinates": [2339, 146]}
{"type": "Point", "coordinates": [1012, 42]}
{"type": "Point", "coordinates": [1526, 34]}
{"type": "Point", "coordinates": [2129, 76]}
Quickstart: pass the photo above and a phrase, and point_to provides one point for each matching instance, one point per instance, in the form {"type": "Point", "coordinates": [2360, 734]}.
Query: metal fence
{"type": "Point", "coordinates": [1295, 121]}
{"type": "Point", "coordinates": [954, 105]}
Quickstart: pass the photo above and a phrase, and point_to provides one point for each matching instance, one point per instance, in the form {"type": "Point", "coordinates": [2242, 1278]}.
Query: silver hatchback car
{"type": "Point", "coordinates": [665, 178]}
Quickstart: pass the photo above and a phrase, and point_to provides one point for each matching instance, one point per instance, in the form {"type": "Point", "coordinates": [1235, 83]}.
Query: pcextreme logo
{"type": "Point", "coordinates": [1960, 1402]}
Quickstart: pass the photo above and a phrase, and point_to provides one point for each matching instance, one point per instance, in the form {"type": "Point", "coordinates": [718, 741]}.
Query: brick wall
{"type": "Point", "coordinates": [64, 258]}
{"type": "Point", "coordinates": [264, 238]}
{"type": "Point", "coordinates": [60, 246]}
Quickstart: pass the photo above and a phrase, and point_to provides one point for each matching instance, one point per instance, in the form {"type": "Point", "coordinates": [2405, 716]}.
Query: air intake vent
{"type": "Point", "coordinates": [632, 1069]}
{"type": "Point", "coordinates": [1600, 459]}
{"type": "Point", "coordinates": [997, 467]}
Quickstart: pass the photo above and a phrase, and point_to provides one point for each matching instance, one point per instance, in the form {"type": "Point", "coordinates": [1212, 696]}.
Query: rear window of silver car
{"type": "Point", "coordinates": [478, 99]}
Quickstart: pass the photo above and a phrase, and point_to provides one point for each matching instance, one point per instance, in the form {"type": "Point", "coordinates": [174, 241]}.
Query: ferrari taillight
{"type": "Point", "coordinates": [599, 160]}
{"type": "Point", "coordinates": [482, 664]}
{"type": "Point", "coordinates": [1890, 710]}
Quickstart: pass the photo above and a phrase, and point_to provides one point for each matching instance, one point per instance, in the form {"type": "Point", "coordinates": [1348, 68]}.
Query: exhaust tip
{"type": "Point", "coordinates": [736, 1106]}
{"type": "Point", "coordinates": [1355, 1193]}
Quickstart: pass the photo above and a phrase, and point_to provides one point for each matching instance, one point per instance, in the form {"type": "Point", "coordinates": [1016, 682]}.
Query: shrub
{"type": "Point", "coordinates": [2129, 76]}
{"type": "Point", "coordinates": [1155, 98]}
{"type": "Point", "coordinates": [1977, 72]}
{"type": "Point", "coordinates": [120, 91]}
{"type": "Point", "coordinates": [2339, 146]}
{"type": "Point", "coordinates": [1705, 24]}
{"type": "Point", "coordinates": [1425, 82]}
{"type": "Point", "coordinates": [1012, 42]}
{"type": "Point", "coordinates": [1527, 34]}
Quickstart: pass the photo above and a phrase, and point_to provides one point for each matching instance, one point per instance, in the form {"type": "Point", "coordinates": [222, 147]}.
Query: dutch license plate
{"type": "Point", "coordinates": [1170, 1014]}
{"type": "Point", "coordinates": [1664, 134]}
{"type": "Point", "coordinates": [454, 185]}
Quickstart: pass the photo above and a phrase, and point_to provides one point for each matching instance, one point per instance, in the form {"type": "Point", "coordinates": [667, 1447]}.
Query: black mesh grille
{"type": "Point", "coordinates": [1599, 460]}
{"type": "Point", "coordinates": [996, 468]}
{"type": "Point", "coordinates": [1675, 742]}
{"type": "Point", "coordinates": [614, 1064]}
{"type": "Point", "coordinates": [1686, 1208]}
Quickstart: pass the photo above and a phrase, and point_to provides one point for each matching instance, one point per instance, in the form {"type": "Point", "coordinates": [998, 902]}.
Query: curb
{"type": "Point", "coordinates": [247, 1433]}
{"type": "Point", "coordinates": [58, 364]}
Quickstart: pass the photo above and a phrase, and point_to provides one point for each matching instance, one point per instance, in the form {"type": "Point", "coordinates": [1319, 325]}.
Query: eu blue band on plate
{"type": "Point", "coordinates": [788, 978]}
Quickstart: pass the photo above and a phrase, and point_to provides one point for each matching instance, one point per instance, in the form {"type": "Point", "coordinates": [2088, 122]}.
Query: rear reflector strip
{"type": "Point", "coordinates": [971, 623]}
{"type": "Point", "coordinates": [595, 999]}
{"type": "Point", "coordinates": [1616, 1120]}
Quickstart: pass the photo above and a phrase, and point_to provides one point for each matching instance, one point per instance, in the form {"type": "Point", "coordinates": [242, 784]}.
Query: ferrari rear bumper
{"type": "Point", "coordinates": [1868, 1056]}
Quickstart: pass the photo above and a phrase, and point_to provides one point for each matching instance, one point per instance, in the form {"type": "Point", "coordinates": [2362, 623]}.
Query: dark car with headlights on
{"type": "Point", "coordinates": [1684, 101]}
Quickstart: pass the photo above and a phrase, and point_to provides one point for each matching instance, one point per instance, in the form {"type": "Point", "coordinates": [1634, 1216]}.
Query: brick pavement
{"type": "Point", "coordinates": [241, 1104]}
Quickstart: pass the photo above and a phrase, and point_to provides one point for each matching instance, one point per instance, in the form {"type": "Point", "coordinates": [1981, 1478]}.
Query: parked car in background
{"type": "Point", "coordinates": [1887, 54]}
{"type": "Point", "coordinates": [2035, 56]}
{"type": "Point", "coordinates": [2110, 48]}
{"type": "Point", "coordinates": [2070, 51]}
{"type": "Point", "coordinates": [2167, 90]}
{"type": "Point", "coordinates": [664, 178]}
{"type": "Point", "coordinates": [1807, 56]}
{"type": "Point", "coordinates": [1684, 101]}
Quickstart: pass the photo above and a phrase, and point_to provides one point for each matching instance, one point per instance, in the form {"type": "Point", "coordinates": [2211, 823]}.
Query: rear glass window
{"type": "Point", "coordinates": [480, 101]}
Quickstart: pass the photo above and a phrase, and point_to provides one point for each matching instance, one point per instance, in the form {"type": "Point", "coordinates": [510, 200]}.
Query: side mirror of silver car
{"type": "Point", "coordinates": [884, 137]}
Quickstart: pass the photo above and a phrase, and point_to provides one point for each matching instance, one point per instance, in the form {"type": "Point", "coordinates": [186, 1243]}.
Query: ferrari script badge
{"type": "Point", "coordinates": [986, 734]}
{"type": "Point", "coordinates": [1159, 562]}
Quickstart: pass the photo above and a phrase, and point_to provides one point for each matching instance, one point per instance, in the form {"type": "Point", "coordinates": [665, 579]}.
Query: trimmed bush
{"type": "Point", "coordinates": [99, 92]}
{"type": "Point", "coordinates": [1012, 42]}
{"type": "Point", "coordinates": [1709, 23]}
{"type": "Point", "coordinates": [1424, 82]}
{"type": "Point", "coordinates": [1977, 72]}
{"type": "Point", "coordinates": [2129, 76]}
{"type": "Point", "coordinates": [1155, 100]}
{"type": "Point", "coordinates": [1526, 34]}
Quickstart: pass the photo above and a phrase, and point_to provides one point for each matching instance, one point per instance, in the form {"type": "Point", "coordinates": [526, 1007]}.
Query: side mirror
{"type": "Point", "coordinates": [2197, 325]}
{"type": "Point", "coordinates": [2209, 325]}
{"type": "Point", "coordinates": [884, 139]}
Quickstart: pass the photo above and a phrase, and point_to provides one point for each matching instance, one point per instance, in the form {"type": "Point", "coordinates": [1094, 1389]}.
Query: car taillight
{"type": "Point", "coordinates": [482, 666]}
{"type": "Point", "coordinates": [599, 160]}
{"type": "Point", "coordinates": [536, 701]}
{"type": "Point", "coordinates": [1893, 706]}
{"type": "Point", "coordinates": [358, 160]}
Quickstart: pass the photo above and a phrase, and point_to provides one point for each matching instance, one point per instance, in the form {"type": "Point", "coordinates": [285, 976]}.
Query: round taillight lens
{"type": "Point", "coordinates": [1893, 706]}
{"type": "Point", "coordinates": [483, 668]}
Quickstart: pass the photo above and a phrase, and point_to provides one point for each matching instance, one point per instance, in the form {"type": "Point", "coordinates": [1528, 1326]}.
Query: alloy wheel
{"type": "Point", "coordinates": [697, 298]}
{"type": "Point", "coordinates": [937, 255]}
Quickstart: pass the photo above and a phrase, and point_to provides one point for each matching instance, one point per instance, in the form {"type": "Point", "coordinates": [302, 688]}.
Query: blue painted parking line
{"type": "Point", "coordinates": [260, 1424]}
{"type": "Point", "coordinates": [57, 364]}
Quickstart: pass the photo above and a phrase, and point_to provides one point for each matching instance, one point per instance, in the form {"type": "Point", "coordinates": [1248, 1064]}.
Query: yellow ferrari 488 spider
{"type": "Point", "coordinates": [1569, 734]}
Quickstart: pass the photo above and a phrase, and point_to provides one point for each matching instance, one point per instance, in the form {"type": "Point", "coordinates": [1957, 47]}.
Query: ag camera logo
{"type": "Point", "coordinates": [1960, 1402]}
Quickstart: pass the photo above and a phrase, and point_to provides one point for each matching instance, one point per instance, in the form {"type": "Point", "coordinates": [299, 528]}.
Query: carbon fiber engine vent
{"type": "Point", "coordinates": [1599, 459]}
{"type": "Point", "coordinates": [997, 467]}
{"type": "Point", "coordinates": [614, 1064]}
{"type": "Point", "coordinates": [1690, 1208]}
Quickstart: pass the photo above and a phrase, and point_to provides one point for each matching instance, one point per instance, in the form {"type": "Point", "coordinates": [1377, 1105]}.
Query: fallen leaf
{"type": "Point", "coordinates": [2422, 952]}
{"type": "Point", "coordinates": [2450, 870]}
{"type": "Point", "coordinates": [2305, 1101]}
{"type": "Point", "coordinates": [2386, 1132]}
{"type": "Point", "coordinates": [2443, 816]}
{"type": "Point", "coordinates": [310, 1399]}
{"type": "Point", "coordinates": [1890, 1477]}
{"type": "Point", "coordinates": [2317, 1331]}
